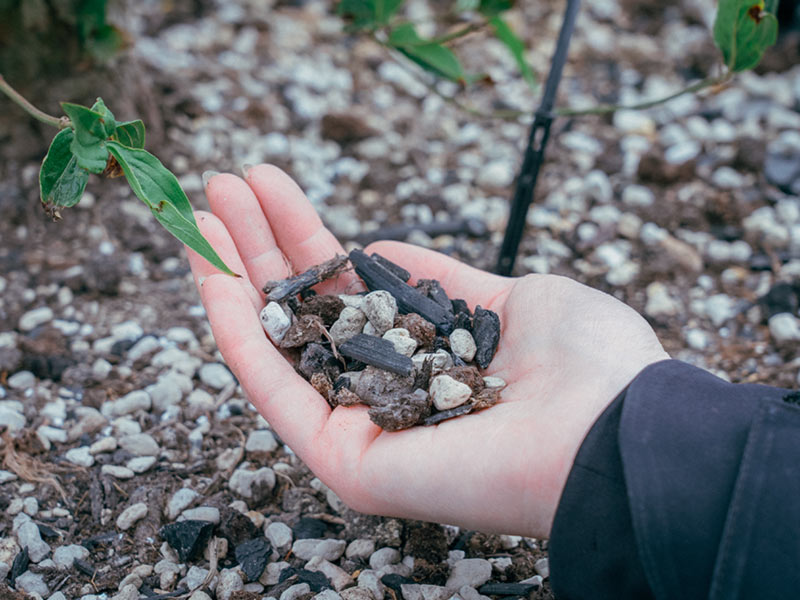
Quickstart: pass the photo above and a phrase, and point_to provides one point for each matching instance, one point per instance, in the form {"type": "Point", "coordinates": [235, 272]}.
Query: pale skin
{"type": "Point", "coordinates": [566, 351]}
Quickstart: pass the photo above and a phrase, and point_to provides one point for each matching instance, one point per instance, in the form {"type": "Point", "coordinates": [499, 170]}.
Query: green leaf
{"type": "Point", "coordinates": [368, 14]}
{"type": "Point", "coordinates": [61, 180]}
{"type": "Point", "coordinates": [130, 134]}
{"type": "Point", "coordinates": [106, 117]}
{"type": "Point", "coordinates": [743, 30]}
{"type": "Point", "coordinates": [505, 34]}
{"type": "Point", "coordinates": [429, 55]}
{"type": "Point", "coordinates": [159, 189]}
{"type": "Point", "coordinates": [90, 128]}
{"type": "Point", "coordinates": [492, 8]}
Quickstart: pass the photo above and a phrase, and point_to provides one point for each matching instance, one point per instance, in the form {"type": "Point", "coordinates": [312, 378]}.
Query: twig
{"type": "Point", "coordinates": [466, 30]}
{"type": "Point", "coordinates": [604, 109]}
{"type": "Point", "coordinates": [19, 100]}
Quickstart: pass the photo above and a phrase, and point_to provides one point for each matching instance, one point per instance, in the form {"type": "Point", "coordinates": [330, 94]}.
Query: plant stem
{"type": "Point", "coordinates": [604, 109]}
{"type": "Point", "coordinates": [466, 30]}
{"type": "Point", "coordinates": [19, 100]}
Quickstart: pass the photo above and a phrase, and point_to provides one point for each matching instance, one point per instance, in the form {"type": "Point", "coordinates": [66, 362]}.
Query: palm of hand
{"type": "Point", "coordinates": [565, 351]}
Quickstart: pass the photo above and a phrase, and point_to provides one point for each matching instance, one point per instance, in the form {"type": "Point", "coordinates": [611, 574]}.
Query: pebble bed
{"type": "Point", "coordinates": [122, 420]}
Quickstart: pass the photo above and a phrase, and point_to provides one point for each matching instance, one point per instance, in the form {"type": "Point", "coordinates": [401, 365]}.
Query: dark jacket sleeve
{"type": "Point", "coordinates": [687, 486]}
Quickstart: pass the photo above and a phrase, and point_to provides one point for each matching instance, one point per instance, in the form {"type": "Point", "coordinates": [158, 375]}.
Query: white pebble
{"type": "Point", "coordinates": [462, 344]}
{"type": "Point", "coordinates": [447, 393]}
{"type": "Point", "coordinates": [275, 322]}
{"type": "Point", "coordinates": [380, 307]}
{"type": "Point", "coordinates": [784, 327]}
{"type": "Point", "coordinates": [401, 339]}
{"type": "Point", "coordinates": [80, 456]}
{"type": "Point", "coordinates": [350, 322]}
{"type": "Point", "coordinates": [131, 515]}
{"type": "Point", "coordinates": [34, 318]}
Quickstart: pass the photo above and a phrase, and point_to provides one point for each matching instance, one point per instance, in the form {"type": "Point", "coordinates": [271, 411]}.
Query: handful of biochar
{"type": "Point", "coordinates": [410, 353]}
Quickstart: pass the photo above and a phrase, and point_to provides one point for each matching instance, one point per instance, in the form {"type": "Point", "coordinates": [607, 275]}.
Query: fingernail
{"type": "Point", "coordinates": [200, 281]}
{"type": "Point", "coordinates": [207, 175]}
{"type": "Point", "coordinates": [245, 169]}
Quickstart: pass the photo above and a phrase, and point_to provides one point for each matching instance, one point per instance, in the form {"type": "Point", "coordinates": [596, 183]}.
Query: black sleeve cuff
{"type": "Point", "coordinates": [668, 485]}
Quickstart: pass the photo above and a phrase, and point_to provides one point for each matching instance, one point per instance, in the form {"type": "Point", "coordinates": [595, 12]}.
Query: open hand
{"type": "Point", "coordinates": [565, 351]}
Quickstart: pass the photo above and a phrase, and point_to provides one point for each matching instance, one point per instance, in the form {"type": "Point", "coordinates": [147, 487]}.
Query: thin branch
{"type": "Point", "coordinates": [604, 109]}
{"type": "Point", "coordinates": [19, 100]}
{"type": "Point", "coordinates": [466, 30]}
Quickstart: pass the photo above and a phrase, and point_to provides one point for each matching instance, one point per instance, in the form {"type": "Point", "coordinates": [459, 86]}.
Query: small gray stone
{"type": "Point", "coordinates": [659, 301]}
{"type": "Point", "coordinates": [401, 339]}
{"type": "Point", "coordinates": [261, 440]}
{"type": "Point", "coordinates": [32, 583]}
{"type": "Point", "coordinates": [216, 375]}
{"type": "Point", "coordinates": [139, 444]}
{"type": "Point", "coordinates": [30, 506]}
{"type": "Point", "coordinates": [14, 507]}
{"type": "Point", "coordinates": [360, 549]}
{"type": "Point", "coordinates": [542, 567]}
{"type": "Point", "coordinates": [638, 195]}
{"type": "Point", "coordinates": [146, 345]}
{"type": "Point", "coordinates": [199, 595]}
{"type": "Point", "coordinates": [719, 308]}
{"type": "Point", "coordinates": [339, 578]}
{"type": "Point", "coordinates": [473, 572]}
{"type": "Point", "coordinates": [447, 393]}
{"type": "Point", "coordinates": [167, 572]}
{"type": "Point", "coordinates": [127, 404]}
{"type": "Point", "coordinates": [252, 485]}
{"type": "Point", "coordinates": [463, 344]}
{"type": "Point", "coordinates": [117, 471]}
{"type": "Point", "coordinates": [380, 307]}
{"type": "Point", "coordinates": [164, 393]}
{"type": "Point", "coordinates": [784, 328]}
{"type": "Point", "coordinates": [440, 360]}
{"type": "Point", "coordinates": [29, 537]}
{"type": "Point", "coordinates": [417, 591]}
{"type": "Point", "coordinates": [141, 464]}
{"type": "Point", "coordinates": [35, 317]}
{"type": "Point", "coordinates": [195, 576]}
{"type": "Point", "coordinates": [21, 380]}
{"type": "Point", "coordinates": [384, 556]}
{"type": "Point", "coordinates": [131, 515]}
{"type": "Point", "coordinates": [280, 536]}
{"type": "Point", "coordinates": [127, 592]}
{"type": "Point", "coordinates": [307, 549]}
{"type": "Point", "coordinates": [275, 322]}
{"type": "Point", "coordinates": [202, 513]}
{"type": "Point", "coordinates": [350, 322]}
{"type": "Point", "coordinates": [296, 591]}
{"type": "Point", "coordinates": [64, 556]}
{"type": "Point", "coordinates": [327, 594]}
{"type": "Point", "coordinates": [494, 383]}
{"type": "Point", "coordinates": [229, 582]}
{"type": "Point", "coordinates": [53, 434]}
{"type": "Point", "coordinates": [6, 476]}
{"type": "Point", "coordinates": [370, 580]}
{"type": "Point", "coordinates": [79, 456]}
{"type": "Point", "coordinates": [57, 596]}
{"type": "Point", "coordinates": [11, 419]}
{"type": "Point", "coordinates": [470, 593]}
{"type": "Point", "coordinates": [106, 444]}
{"type": "Point", "coordinates": [179, 501]}
{"type": "Point", "coordinates": [356, 593]}
{"type": "Point", "coordinates": [272, 573]}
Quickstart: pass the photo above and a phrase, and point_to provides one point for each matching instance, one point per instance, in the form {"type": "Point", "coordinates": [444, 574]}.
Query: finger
{"type": "Point", "coordinates": [236, 205]}
{"type": "Point", "coordinates": [299, 231]}
{"type": "Point", "coordinates": [217, 235]}
{"type": "Point", "coordinates": [457, 279]}
{"type": "Point", "coordinates": [285, 399]}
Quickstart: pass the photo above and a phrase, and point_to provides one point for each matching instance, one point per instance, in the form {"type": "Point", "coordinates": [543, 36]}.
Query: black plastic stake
{"type": "Point", "coordinates": [537, 141]}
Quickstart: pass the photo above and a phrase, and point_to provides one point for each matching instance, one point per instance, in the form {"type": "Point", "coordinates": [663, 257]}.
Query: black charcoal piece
{"type": "Point", "coordinates": [486, 333]}
{"type": "Point", "coordinates": [409, 300]}
{"type": "Point", "coordinates": [316, 357]}
{"type": "Point", "coordinates": [404, 413]}
{"type": "Point", "coordinates": [782, 297]}
{"type": "Point", "coordinates": [422, 378]}
{"type": "Point", "coordinates": [187, 538]}
{"type": "Point", "coordinates": [316, 581]}
{"type": "Point", "coordinates": [463, 321]}
{"type": "Point", "coordinates": [309, 528]}
{"type": "Point", "coordinates": [393, 581]}
{"type": "Point", "coordinates": [19, 566]}
{"type": "Point", "coordinates": [291, 286]}
{"type": "Point", "coordinates": [235, 527]}
{"type": "Point", "coordinates": [377, 352]}
{"type": "Point", "coordinates": [444, 415]}
{"type": "Point", "coordinates": [253, 556]}
{"type": "Point", "coordinates": [393, 267]}
{"type": "Point", "coordinates": [460, 306]}
{"type": "Point", "coordinates": [433, 290]}
{"type": "Point", "coordinates": [85, 567]}
{"type": "Point", "coordinates": [508, 589]}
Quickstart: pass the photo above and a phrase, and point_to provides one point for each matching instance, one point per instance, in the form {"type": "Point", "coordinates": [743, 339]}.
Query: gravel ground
{"type": "Point", "coordinates": [120, 417]}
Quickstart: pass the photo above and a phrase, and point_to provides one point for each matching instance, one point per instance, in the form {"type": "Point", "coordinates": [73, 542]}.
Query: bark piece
{"type": "Point", "coordinates": [316, 357]}
{"type": "Point", "coordinates": [326, 307]}
{"type": "Point", "coordinates": [320, 382]}
{"type": "Point", "coordinates": [485, 398]}
{"type": "Point", "coordinates": [308, 328]}
{"type": "Point", "coordinates": [468, 375]}
{"type": "Point", "coordinates": [377, 352]}
{"type": "Point", "coordinates": [409, 299]}
{"type": "Point", "coordinates": [376, 386]}
{"type": "Point", "coordinates": [486, 332]}
{"type": "Point", "coordinates": [291, 286]}
{"type": "Point", "coordinates": [404, 413]}
{"type": "Point", "coordinates": [424, 332]}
